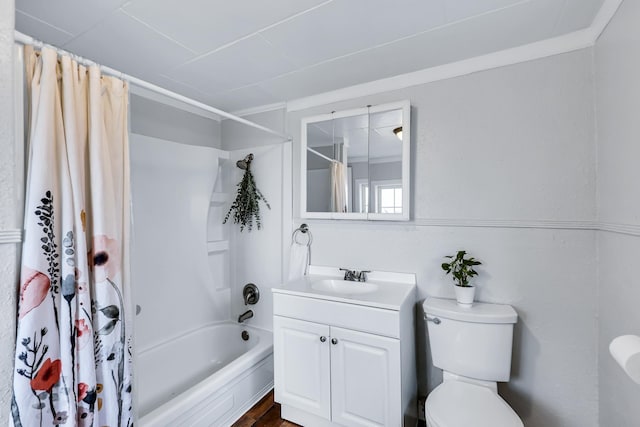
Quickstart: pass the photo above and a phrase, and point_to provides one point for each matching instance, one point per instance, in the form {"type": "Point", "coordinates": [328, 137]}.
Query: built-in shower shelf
{"type": "Point", "coordinates": [218, 246]}
{"type": "Point", "coordinates": [218, 199]}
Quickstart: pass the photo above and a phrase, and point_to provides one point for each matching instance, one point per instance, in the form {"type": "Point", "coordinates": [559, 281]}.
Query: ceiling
{"type": "Point", "coordinates": [242, 54]}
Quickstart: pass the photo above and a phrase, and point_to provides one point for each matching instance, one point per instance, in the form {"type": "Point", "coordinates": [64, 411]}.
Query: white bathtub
{"type": "Point", "coordinates": [209, 377]}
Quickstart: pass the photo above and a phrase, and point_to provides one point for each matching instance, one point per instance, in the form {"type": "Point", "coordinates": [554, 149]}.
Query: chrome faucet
{"type": "Point", "coordinates": [245, 316]}
{"type": "Point", "coordinates": [355, 276]}
{"type": "Point", "coordinates": [362, 275]}
{"type": "Point", "coordinates": [349, 275]}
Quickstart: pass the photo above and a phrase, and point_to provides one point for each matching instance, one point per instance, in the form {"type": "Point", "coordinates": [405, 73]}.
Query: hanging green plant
{"type": "Point", "coordinates": [246, 206]}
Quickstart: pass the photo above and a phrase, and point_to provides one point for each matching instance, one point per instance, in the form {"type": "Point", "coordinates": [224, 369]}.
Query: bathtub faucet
{"type": "Point", "coordinates": [244, 316]}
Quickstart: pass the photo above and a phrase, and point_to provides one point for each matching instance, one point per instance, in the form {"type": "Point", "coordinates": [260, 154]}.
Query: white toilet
{"type": "Point", "coordinates": [472, 346]}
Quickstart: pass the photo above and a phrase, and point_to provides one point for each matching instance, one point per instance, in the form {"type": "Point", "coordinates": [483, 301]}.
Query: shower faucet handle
{"type": "Point", "coordinates": [250, 294]}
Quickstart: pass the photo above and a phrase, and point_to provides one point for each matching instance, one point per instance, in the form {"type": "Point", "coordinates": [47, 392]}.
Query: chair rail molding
{"type": "Point", "coordinates": [541, 224]}
{"type": "Point", "coordinates": [508, 223]}
{"type": "Point", "coordinates": [613, 227]}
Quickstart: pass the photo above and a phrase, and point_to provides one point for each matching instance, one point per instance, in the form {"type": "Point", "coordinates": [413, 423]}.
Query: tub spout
{"type": "Point", "coordinates": [244, 316]}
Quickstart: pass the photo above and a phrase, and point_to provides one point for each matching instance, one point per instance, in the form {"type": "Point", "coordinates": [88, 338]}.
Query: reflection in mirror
{"type": "Point", "coordinates": [385, 162]}
{"type": "Point", "coordinates": [356, 163]}
{"type": "Point", "coordinates": [337, 152]}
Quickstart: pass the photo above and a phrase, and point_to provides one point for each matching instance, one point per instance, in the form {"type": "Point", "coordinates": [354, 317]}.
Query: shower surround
{"type": "Point", "coordinates": [193, 365]}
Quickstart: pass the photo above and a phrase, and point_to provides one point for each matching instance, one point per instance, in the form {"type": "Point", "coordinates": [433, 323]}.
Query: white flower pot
{"type": "Point", "coordinates": [465, 295]}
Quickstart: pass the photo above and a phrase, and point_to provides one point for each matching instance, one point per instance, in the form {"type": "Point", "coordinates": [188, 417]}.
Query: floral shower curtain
{"type": "Point", "coordinates": [74, 344]}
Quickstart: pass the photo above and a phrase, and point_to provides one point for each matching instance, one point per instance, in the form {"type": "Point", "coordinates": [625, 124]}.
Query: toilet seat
{"type": "Point", "coordinates": [460, 404]}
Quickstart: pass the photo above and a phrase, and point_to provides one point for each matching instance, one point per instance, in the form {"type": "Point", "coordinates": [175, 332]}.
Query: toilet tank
{"type": "Point", "coordinates": [474, 342]}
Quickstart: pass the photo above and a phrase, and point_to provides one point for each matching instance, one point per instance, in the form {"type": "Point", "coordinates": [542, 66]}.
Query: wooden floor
{"type": "Point", "coordinates": [265, 413]}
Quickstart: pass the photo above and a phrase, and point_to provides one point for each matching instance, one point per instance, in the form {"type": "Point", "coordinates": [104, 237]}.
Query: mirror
{"type": "Point", "coordinates": [355, 164]}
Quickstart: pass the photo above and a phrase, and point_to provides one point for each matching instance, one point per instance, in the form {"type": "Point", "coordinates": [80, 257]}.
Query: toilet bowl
{"type": "Point", "coordinates": [472, 346]}
{"type": "Point", "coordinates": [461, 404]}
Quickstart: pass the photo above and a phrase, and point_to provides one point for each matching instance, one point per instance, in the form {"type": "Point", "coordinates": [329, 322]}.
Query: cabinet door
{"type": "Point", "coordinates": [365, 379]}
{"type": "Point", "coordinates": [301, 352]}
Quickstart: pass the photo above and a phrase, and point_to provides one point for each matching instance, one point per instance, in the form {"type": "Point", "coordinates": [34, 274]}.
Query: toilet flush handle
{"type": "Point", "coordinates": [435, 320]}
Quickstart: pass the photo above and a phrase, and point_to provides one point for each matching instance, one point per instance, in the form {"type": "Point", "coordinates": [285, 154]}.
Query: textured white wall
{"type": "Point", "coordinates": [517, 141]}
{"type": "Point", "coordinates": [617, 68]}
{"type": "Point", "coordinates": [8, 208]}
{"type": "Point", "coordinates": [514, 144]}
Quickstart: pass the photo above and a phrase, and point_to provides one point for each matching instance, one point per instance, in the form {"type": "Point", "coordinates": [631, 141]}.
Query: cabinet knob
{"type": "Point", "coordinates": [334, 341]}
{"type": "Point", "coordinates": [323, 339]}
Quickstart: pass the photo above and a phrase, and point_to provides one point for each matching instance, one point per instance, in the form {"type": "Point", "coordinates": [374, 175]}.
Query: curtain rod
{"type": "Point", "coordinates": [317, 153]}
{"type": "Point", "coordinates": [28, 40]}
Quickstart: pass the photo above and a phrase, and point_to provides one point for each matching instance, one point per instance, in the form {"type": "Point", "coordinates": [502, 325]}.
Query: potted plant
{"type": "Point", "coordinates": [461, 268]}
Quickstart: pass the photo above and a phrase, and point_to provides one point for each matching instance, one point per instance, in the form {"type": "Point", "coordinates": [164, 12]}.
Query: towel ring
{"type": "Point", "coordinates": [301, 232]}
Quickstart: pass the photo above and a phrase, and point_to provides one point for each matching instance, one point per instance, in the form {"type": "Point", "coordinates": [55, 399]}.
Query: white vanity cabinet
{"type": "Point", "coordinates": [302, 365]}
{"type": "Point", "coordinates": [365, 379]}
{"type": "Point", "coordinates": [349, 377]}
{"type": "Point", "coordinates": [340, 362]}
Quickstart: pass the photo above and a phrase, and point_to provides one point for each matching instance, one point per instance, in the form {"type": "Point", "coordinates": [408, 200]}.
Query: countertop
{"type": "Point", "coordinates": [393, 288]}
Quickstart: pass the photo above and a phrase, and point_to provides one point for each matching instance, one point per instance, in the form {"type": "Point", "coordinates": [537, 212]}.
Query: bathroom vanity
{"type": "Point", "coordinates": [344, 352]}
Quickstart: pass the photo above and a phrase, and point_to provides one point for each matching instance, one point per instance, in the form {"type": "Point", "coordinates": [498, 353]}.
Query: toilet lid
{"type": "Point", "coordinates": [460, 404]}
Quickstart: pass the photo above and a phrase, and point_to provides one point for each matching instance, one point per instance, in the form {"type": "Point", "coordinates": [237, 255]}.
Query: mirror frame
{"type": "Point", "coordinates": [405, 106]}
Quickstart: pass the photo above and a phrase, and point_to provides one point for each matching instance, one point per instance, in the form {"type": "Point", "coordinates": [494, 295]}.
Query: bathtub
{"type": "Point", "coordinates": [208, 377]}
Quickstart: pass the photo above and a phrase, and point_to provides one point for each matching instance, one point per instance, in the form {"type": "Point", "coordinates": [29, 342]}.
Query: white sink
{"type": "Point", "coordinates": [344, 286]}
{"type": "Point", "coordinates": [381, 290]}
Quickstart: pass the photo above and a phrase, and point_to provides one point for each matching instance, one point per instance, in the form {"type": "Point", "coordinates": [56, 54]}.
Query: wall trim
{"type": "Point", "coordinates": [570, 42]}
{"type": "Point", "coordinates": [466, 222]}
{"type": "Point", "coordinates": [497, 223]}
{"type": "Point", "coordinates": [612, 227]}
{"type": "Point", "coordinates": [15, 236]}
{"type": "Point", "coordinates": [10, 236]}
